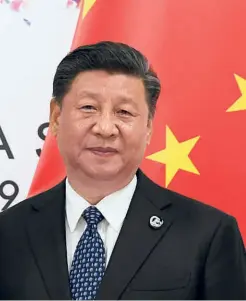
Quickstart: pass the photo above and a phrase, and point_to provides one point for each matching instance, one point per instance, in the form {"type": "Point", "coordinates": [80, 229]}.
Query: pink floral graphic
{"type": "Point", "coordinates": [73, 3]}
{"type": "Point", "coordinates": [20, 7]}
{"type": "Point", "coordinates": [16, 5]}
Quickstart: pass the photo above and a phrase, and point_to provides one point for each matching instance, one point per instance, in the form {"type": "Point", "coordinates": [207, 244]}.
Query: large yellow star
{"type": "Point", "coordinates": [175, 156]}
{"type": "Point", "coordinates": [240, 103]}
{"type": "Point", "coordinates": [87, 5]}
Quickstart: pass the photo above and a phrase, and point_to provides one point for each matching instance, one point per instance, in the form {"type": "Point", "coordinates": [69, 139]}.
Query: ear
{"type": "Point", "coordinates": [55, 111]}
{"type": "Point", "coordinates": [149, 130]}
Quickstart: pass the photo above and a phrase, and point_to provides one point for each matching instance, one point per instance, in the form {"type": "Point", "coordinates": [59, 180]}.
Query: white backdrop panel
{"type": "Point", "coordinates": [29, 53]}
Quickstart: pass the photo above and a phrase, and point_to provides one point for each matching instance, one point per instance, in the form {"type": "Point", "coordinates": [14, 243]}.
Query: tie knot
{"type": "Point", "coordinates": [92, 216]}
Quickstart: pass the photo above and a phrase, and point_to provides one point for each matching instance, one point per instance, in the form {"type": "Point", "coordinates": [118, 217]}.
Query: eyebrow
{"type": "Point", "coordinates": [96, 96]}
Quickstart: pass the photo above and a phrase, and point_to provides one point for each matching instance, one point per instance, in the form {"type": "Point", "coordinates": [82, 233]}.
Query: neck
{"type": "Point", "coordinates": [94, 190]}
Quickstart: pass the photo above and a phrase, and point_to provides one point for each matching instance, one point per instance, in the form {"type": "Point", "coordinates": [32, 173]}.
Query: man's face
{"type": "Point", "coordinates": [102, 127]}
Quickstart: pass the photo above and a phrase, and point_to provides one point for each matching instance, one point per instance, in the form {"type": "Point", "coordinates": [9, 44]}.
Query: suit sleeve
{"type": "Point", "coordinates": [225, 269]}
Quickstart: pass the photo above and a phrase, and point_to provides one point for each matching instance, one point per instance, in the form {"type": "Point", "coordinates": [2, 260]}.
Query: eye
{"type": "Point", "coordinates": [125, 113]}
{"type": "Point", "coordinates": [88, 108]}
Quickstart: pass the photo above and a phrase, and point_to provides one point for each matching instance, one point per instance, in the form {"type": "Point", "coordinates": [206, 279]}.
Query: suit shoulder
{"type": "Point", "coordinates": [194, 214]}
{"type": "Point", "coordinates": [20, 209]}
{"type": "Point", "coordinates": [182, 205]}
{"type": "Point", "coordinates": [17, 209]}
{"type": "Point", "coordinates": [197, 211]}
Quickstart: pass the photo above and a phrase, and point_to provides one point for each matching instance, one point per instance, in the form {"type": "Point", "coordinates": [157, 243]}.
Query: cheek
{"type": "Point", "coordinates": [135, 137]}
{"type": "Point", "coordinates": [70, 123]}
{"type": "Point", "coordinates": [69, 131]}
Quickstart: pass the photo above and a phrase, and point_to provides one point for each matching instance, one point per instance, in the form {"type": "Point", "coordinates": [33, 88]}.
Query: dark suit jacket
{"type": "Point", "coordinates": [197, 253]}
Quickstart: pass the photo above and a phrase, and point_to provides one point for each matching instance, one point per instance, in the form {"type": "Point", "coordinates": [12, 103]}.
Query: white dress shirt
{"type": "Point", "coordinates": [113, 207]}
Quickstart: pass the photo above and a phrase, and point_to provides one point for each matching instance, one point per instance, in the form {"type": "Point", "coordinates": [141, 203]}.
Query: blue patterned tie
{"type": "Point", "coordinates": [89, 259]}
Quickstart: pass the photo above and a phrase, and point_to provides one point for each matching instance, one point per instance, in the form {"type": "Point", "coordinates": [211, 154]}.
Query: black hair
{"type": "Point", "coordinates": [113, 58]}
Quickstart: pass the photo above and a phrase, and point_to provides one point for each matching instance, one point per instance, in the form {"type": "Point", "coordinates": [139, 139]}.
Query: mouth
{"type": "Point", "coordinates": [103, 151]}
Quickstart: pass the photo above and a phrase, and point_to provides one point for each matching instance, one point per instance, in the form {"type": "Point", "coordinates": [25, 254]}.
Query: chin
{"type": "Point", "coordinates": [103, 174]}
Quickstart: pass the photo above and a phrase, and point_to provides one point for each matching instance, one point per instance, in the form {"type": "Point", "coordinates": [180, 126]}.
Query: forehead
{"type": "Point", "coordinates": [104, 83]}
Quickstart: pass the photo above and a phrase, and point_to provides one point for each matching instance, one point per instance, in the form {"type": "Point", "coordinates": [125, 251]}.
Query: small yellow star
{"type": "Point", "coordinates": [175, 156]}
{"type": "Point", "coordinates": [87, 6]}
{"type": "Point", "coordinates": [240, 103]}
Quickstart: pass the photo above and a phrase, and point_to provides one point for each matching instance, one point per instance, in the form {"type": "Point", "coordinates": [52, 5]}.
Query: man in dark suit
{"type": "Point", "coordinates": [107, 231]}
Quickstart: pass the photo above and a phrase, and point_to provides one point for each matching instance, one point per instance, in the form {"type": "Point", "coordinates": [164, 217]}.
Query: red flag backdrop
{"type": "Point", "coordinates": [198, 48]}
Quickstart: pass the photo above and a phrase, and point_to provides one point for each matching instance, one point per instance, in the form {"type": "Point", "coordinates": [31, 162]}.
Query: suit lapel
{"type": "Point", "coordinates": [46, 232]}
{"type": "Point", "coordinates": [137, 238]}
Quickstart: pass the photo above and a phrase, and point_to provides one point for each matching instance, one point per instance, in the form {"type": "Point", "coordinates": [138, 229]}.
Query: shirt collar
{"type": "Point", "coordinates": [113, 207]}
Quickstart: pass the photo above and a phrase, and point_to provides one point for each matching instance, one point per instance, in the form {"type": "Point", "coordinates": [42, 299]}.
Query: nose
{"type": "Point", "coordinates": [105, 126]}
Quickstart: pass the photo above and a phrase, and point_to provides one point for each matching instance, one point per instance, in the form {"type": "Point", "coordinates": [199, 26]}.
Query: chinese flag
{"type": "Point", "coordinates": [198, 49]}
